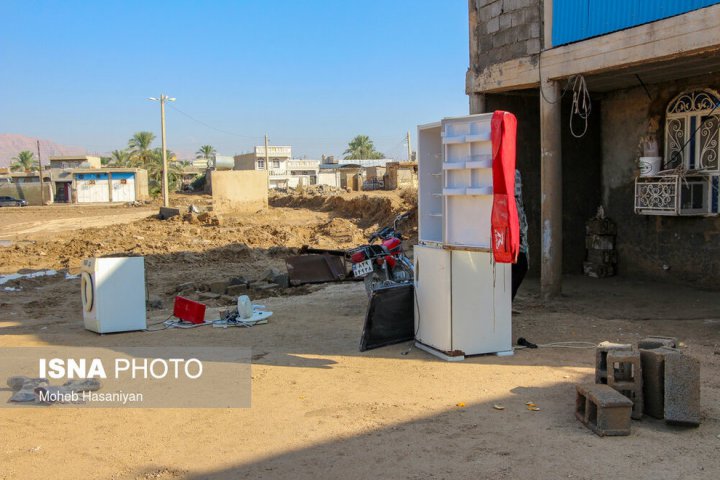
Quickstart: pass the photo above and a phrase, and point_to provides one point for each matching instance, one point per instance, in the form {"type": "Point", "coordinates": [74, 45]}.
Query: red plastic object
{"type": "Point", "coordinates": [392, 244]}
{"type": "Point", "coordinates": [357, 257]}
{"type": "Point", "coordinates": [505, 223]}
{"type": "Point", "coordinates": [189, 310]}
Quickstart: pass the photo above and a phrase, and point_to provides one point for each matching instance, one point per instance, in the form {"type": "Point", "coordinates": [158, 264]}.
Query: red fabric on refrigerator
{"type": "Point", "coordinates": [505, 226]}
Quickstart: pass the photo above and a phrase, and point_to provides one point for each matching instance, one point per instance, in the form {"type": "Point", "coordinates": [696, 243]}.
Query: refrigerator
{"type": "Point", "coordinates": [463, 297]}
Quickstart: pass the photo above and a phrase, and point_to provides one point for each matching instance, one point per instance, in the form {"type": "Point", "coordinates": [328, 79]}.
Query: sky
{"type": "Point", "coordinates": [310, 73]}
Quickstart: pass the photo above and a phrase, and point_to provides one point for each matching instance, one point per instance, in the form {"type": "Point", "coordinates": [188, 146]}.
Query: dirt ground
{"type": "Point", "coordinates": [320, 408]}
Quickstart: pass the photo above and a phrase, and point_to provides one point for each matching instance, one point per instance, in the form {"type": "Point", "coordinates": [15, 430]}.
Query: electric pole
{"type": "Point", "coordinates": [42, 185]}
{"type": "Point", "coordinates": [162, 100]}
{"type": "Point", "coordinates": [409, 147]}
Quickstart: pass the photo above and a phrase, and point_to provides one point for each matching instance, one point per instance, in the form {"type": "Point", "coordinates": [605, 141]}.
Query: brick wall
{"type": "Point", "coordinates": [502, 30]}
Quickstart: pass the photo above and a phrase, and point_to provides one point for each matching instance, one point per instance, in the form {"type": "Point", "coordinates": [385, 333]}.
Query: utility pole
{"type": "Point", "coordinates": [409, 147]}
{"type": "Point", "coordinates": [162, 100]}
{"type": "Point", "coordinates": [267, 160]}
{"type": "Point", "coordinates": [42, 185]}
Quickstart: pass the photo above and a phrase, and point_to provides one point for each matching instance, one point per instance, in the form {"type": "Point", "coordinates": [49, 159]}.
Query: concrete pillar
{"type": "Point", "coordinates": [477, 103]}
{"type": "Point", "coordinates": [551, 189]}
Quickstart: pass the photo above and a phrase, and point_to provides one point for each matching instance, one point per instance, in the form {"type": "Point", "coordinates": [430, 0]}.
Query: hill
{"type": "Point", "coordinates": [11, 144]}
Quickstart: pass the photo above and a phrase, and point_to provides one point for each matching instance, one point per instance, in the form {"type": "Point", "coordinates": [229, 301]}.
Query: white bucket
{"type": "Point", "coordinates": [649, 166]}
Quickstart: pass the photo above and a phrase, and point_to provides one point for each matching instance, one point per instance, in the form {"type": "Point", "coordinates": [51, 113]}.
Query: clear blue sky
{"type": "Point", "coordinates": [312, 73]}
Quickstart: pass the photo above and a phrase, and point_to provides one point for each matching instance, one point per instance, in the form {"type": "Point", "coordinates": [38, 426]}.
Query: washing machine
{"type": "Point", "coordinates": [113, 294]}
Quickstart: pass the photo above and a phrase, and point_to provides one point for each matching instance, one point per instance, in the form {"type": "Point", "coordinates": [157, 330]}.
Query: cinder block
{"type": "Point", "coordinates": [656, 341]}
{"type": "Point", "coordinates": [601, 358]}
{"type": "Point", "coordinates": [603, 410]}
{"type": "Point", "coordinates": [168, 212]}
{"type": "Point", "coordinates": [624, 374]}
{"type": "Point", "coordinates": [682, 389]}
{"type": "Point", "coordinates": [653, 372]}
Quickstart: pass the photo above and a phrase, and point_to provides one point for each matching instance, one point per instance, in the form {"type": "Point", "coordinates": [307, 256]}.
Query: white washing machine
{"type": "Point", "coordinates": [113, 294]}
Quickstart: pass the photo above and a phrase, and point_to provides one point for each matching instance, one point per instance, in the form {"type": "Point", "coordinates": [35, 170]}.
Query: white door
{"type": "Point", "coordinates": [481, 311]}
{"type": "Point", "coordinates": [432, 293]}
{"type": "Point", "coordinates": [92, 190]}
{"type": "Point", "coordinates": [123, 189]}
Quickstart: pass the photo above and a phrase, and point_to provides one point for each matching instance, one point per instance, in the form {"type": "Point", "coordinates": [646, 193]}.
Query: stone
{"type": "Point", "coordinates": [167, 212]}
{"type": "Point", "coordinates": [24, 395]}
{"type": "Point", "coordinates": [218, 287]}
{"type": "Point", "coordinates": [83, 385]}
{"type": "Point", "coordinates": [682, 390]}
{"type": "Point", "coordinates": [603, 410]}
{"type": "Point", "coordinates": [283, 280]}
{"type": "Point", "coordinates": [236, 290]}
{"type": "Point", "coordinates": [16, 383]}
{"type": "Point", "coordinates": [270, 274]}
{"type": "Point", "coordinates": [238, 281]}
{"type": "Point", "coordinates": [601, 352]}
{"type": "Point", "coordinates": [155, 302]}
{"type": "Point", "coordinates": [184, 287]}
{"type": "Point", "coordinates": [654, 341]}
{"type": "Point", "coordinates": [228, 298]}
{"type": "Point", "coordinates": [208, 296]}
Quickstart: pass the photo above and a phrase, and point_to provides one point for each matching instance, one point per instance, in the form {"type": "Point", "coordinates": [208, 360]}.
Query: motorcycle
{"type": "Point", "coordinates": [384, 264]}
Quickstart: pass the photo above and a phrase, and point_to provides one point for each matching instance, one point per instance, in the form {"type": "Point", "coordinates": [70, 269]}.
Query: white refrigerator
{"type": "Point", "coordinates": [463, 297]}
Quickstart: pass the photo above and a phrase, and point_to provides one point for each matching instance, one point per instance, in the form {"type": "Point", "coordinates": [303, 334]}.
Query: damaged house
{"type": "Point", "coordinates": [617, 105]}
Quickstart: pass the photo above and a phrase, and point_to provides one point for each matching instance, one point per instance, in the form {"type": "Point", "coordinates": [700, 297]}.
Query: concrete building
{"type": "Point", "coordinates": [255, 160]}
{"type": "Point", "coordinates": [401, 175]}
{"type": "Point", "coordinates": [642, 74]}
{"type": "Point", "coordinates": [106, 185]}
{"type": "Point", "coordinates": [74, 161]}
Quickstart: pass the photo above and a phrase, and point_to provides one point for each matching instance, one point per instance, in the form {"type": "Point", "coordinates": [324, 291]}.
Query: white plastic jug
{"type": "Point", "coordinates": [245, 307]}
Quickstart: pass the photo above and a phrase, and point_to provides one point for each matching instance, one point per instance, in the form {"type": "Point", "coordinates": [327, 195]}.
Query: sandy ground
{"type": "Point", "coordinates": [321, 409]}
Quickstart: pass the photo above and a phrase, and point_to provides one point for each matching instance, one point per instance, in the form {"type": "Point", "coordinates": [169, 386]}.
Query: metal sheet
{"type": "Point", "coordinates": [315, 269]}
{"type": "Point", "coordinates": [575, 20]}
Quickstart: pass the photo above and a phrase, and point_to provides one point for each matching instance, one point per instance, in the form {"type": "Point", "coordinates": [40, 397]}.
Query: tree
{"type": "Point", "coordinates": [207, 153]}
{"type": "Point", "coordinates": [139, 147]}
{"type": "Point", "coordinates": [25, 161]}
{"type": "Point", "coordinates": [154, 168]}
{"type": "Point", "coordinates": [362, 148]}
{"type": "Point", "coordinates": [120, 158]}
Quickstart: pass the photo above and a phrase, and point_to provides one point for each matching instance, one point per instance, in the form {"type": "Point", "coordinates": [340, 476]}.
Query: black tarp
{"type": "Point", "coordinates": [389, 318]}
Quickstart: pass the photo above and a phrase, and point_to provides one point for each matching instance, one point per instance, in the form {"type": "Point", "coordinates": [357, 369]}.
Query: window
{"type": "Point", "coordinates": [689, 183]}
{"type": "Point", "coordinates": [261, 164]}
{"type": "Point", "coordinates": [691, 113]}
{"type": "Point", "coordinates": [276, 163]}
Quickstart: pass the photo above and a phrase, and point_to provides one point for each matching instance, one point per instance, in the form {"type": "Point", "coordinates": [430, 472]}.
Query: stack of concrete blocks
{"type": "Point", "coordinates": [618, 366]}
{"type": "Point", "coordinates": [603, 409]}
{"type": "Point", "coordinates": [601, 256]}
{"type": "Point", "coordinates": [672, 382]}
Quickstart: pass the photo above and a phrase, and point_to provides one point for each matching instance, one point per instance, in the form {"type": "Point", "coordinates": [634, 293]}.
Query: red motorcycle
{"type": "Point", "coordinates": [384, 264]}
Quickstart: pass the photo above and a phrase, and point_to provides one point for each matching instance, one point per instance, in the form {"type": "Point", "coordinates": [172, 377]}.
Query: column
{"type": "Point", "coordinates": [551, 189]}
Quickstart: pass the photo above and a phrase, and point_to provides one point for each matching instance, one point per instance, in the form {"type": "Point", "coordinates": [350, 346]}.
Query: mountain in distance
{"type": "Point", "coordinates": [11, 144]}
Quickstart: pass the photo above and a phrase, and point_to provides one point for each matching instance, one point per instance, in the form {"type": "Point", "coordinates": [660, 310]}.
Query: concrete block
{"type": "Point", "coordinates": [603, 410]}
{"type": "Point", "coordinates": [236, 290]}
{"type": "Point", "coordinates": [654, 341]}
{"type": "Point", "coordinates": [624, 374]}
{"type": "Point", "coordinates": [492, 25]}
{"type": "Point", "coordinates": [682, 389]}
{"type": "Point", "coordinates": [167, 212]}
{"type": "Point", "coordinates": [601, 358]}
{"type": "Point", "coordinates": [505, 21]}
{"type": "Point", "coordinates": [653, 371]}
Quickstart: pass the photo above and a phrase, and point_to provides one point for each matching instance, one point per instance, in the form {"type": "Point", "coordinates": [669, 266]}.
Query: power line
{"type": "Point", "coordinates": [211, 127]}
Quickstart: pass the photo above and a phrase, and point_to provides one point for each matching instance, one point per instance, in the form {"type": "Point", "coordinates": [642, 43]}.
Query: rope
{"type": "Point", "coordinates": [581, 104]}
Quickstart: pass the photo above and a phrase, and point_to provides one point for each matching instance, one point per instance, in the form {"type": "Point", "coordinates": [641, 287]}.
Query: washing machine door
{"type": "Point", "coordinates": [87, 291]}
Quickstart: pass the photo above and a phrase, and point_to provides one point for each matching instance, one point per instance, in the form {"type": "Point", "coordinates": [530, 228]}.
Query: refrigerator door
{"type": "Point", "coordinates": [432, 297]}
{"type": "Point", "coordinates": [481, 308]}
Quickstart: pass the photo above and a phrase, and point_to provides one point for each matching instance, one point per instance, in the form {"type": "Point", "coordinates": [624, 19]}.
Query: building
{"type": "Point", "coordinates": [255, 160]}
{"type": "Point", "coordinates": [74, 161]}
{"type": "Point", "coordinates": [401, 175]}
{"type": "Point", "coordinates": [106, 185]}
{"type": "Point", "coordinates": [595, 86]}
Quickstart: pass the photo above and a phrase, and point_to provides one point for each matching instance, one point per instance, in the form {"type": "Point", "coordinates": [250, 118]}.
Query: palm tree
{"type": "Point", "coordinates": [120, 158]}
{"type": "Point", "coordinates": [139, 146]}
{"type": "Point", "coordinates": [25, 161]}
{"type": "Point", "coordinates": [362, 148]}
{"type": "Point", "coordinates": [154, 169]}
{"type": "Point", "coordinates": [207, 153]}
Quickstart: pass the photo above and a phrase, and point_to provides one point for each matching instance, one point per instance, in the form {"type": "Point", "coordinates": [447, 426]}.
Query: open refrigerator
{"type": "Point", "coordinates": [463, 297]}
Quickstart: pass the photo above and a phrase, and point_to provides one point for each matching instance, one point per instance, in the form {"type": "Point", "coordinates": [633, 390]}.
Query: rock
{"type": "Point", "coordinates": [264, 286]}
{"type": "Point", "coordinates": [238, 281]}
{"type": "Point", "coordinates": [184, 287]}
{"type": "Point", "coordinates": [83, 385]}
{"type": "Point", "coordinates": [236, 290]}
{"type": "Point", "coordinates": [208, 296]}
{"type": "Point", "coordinates": [18, 382]}
{"type": "Point", "coordinates": [282, 280]}
{"type": "Point", "coordinates": [155, 302]}
{"type": "Point", "coordinates": [167, 212]}
{"type": "Point", "coordinates": [228, 298]}
{"type": "Point", "coordinates": [24, 395]}
{"type": "Point", "coordinates": [270, 274]}
{"type": "Point", "coordinates": [218, 287]}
